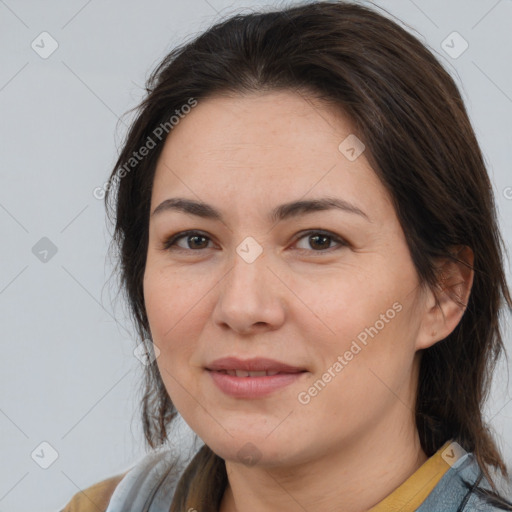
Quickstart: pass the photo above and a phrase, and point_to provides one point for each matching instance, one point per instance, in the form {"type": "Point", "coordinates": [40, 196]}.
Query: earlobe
{"type": "Point", "coordinates": [446, 304]}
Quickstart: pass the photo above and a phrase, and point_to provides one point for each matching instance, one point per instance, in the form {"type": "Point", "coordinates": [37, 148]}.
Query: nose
{"type": "Point", "coordinates": [250, 297]}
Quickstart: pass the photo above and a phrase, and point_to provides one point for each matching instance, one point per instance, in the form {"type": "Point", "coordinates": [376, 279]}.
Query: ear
{"type": "Point", "coordinates": [445, 305]}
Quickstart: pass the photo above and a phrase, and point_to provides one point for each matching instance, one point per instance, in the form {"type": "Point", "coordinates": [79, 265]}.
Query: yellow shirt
{"type": "Point", "coordinates": [405, 498]}
{"type": "Point", "coordinates": [95, 498]}
{"type": "Point", "coordinates": [415, 490]}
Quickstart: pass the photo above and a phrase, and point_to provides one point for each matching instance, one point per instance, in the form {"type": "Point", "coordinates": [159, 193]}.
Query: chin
{"type": "Point", "coordinates": [255, 451]}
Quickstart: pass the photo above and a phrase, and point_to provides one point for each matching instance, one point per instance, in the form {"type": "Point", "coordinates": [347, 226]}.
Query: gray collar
{"type": "Point", "coordinates": [149, 486]}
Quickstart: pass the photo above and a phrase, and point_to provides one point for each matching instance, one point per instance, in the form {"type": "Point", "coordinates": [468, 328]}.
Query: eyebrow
{"type": "Point", "coordinates": [279, 213]}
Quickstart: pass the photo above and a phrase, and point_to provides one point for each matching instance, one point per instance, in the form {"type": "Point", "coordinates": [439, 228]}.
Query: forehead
{"type": "Point", "coordinates": [274, 146]}
{"type": "Point", "coordinates": [276, 124]}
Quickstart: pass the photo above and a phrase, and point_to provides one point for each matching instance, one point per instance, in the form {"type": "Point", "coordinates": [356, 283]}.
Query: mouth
{"type": "Point", "coordinates": [245, 373]}
{"type": "Point", "coordinates": [255, 367]}
{"type": "Point", "coordinates": [252, 378]}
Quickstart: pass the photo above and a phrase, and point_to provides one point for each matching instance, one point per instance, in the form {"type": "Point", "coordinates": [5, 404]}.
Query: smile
{"type": "Point", "coordinates": [252, 384]}
{"type": "Point", "coordinates": [244, 373]}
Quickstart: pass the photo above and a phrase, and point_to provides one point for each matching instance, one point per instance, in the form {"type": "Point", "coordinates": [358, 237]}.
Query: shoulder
{"type": "Point", "coordinates": [152, 479]}
{"type": "Point", "coordinates": [94, 498]}
{"type": "Point", "coordinates": [460, 489]}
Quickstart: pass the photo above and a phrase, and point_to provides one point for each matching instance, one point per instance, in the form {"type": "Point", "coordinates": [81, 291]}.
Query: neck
{"type": "Point", "coordinates": [354, 478]}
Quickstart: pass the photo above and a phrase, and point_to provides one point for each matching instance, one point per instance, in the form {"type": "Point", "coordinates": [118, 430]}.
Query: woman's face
{"type": "Point", "coordinates": [331, 292]}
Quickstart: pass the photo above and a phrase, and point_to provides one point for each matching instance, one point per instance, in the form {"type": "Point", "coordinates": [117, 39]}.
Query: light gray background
{"type": "Point", "coordinates": [68, 375]}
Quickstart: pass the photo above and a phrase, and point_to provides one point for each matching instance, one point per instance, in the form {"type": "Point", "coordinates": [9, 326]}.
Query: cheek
{"type": "Point", "coordinates": [168, 307]}
{"type": "Point", "coordinates": [178, 305]}
{"type": "Point", "coordinates": [360, 375]}
{"type": "Point", "coordinates": [167, 297]}
{"type": "Point", "coordinates": [347, 302]}
{"type": "Point", "coordinates": [367, 318]}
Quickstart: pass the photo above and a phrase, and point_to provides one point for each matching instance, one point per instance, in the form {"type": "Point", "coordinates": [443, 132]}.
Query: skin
{"type": "Point", "coordinates": [302, 301]}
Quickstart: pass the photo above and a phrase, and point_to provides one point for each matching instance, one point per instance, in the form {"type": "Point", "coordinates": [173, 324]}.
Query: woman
{"type": "Point", "coordinates": [307, 233]}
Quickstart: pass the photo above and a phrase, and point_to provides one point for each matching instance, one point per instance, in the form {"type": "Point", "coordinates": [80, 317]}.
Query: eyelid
{"type": "Point", "coordinates": [169, 242]}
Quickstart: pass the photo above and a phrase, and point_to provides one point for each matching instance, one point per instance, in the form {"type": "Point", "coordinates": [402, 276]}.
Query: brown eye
{"type": "Point", "coordinates": [194, 240]}
{"type": "Point", "coordinates": [317, 241]}
{"type": "Point", "coordinates": [320, 241]}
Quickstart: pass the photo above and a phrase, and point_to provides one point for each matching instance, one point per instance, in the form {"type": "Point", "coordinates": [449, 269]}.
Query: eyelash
{"type": "Point", "coordinates": [170, 242]}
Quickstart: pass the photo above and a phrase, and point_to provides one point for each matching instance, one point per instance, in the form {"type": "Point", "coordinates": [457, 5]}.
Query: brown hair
{"type": "Point", "coordinates": [410, 115]}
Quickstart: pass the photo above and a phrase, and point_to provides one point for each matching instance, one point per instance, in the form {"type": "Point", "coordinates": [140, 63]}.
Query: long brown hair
{"type": "Point", "coordinates": [410, 115]}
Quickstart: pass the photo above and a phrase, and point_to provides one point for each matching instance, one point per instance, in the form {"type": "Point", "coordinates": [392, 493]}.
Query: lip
{"type": "Point", "coordinates": [252, 387]}
{"type": "Point", "coordinates": [252, 365]}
